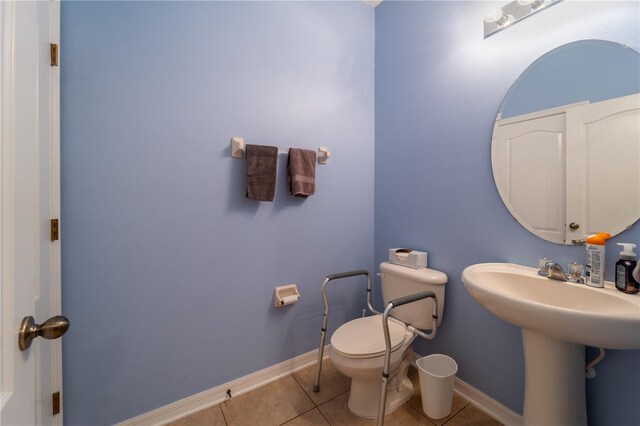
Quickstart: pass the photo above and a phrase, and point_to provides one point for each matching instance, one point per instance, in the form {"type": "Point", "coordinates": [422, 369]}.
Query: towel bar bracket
{"type": "Point", "coordinates": [323, 155]}
{"type": "Point", "coordinates": [237, 147]}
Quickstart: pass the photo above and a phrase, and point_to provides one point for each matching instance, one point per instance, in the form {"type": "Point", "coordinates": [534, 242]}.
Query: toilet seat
{"type": "Point", "coordinates": [364, 337]}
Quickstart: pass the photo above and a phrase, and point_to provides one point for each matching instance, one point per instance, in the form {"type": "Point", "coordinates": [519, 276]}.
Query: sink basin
{"type": "Point", "coordinates": [557, 319]}
{"type": "Point", "coordinates": [577, 313]}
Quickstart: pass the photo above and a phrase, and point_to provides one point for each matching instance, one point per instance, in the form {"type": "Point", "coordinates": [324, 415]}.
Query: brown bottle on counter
{"type": "Point", "coordinates": [624, 270]}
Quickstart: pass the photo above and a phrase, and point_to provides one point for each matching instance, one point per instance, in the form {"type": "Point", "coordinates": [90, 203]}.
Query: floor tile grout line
{"type": "Point", "coordinates": [312, 400]}
{"type": "Point", "coordinates": [420, 412]}
{"type": "Point", "coordinates": [456, 414]}
{"type": "Point", "coordinates": [304, 390]}
{"type": "Point", "coordinates": [223, 416]}
{"type": "Point", "coordinates": [313, 405]}
{"type": "Point", "coordinates": [301, 414]}
{"type": "Point", "coordinates": [222, 411]}
{"type": "Point", "coordinates": [322, 414]}
{"type": "Point", "coordinates": [331, 399]}
{"type": "Point", "coordinates": [452, 417]}
{"type": "Point", "coordinates": [460, 410]}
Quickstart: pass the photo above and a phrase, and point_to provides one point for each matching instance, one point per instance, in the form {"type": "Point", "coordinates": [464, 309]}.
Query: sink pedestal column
{"type": "Point", "coordinates": [554, 384]}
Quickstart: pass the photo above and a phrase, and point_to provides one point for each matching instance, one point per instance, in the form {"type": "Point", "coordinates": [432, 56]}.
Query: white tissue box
{"type": "Point", "coordinates": [407, 257]}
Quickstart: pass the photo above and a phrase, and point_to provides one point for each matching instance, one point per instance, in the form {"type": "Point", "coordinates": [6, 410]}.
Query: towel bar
{"type": "Point", "coordinates": [237, 150]}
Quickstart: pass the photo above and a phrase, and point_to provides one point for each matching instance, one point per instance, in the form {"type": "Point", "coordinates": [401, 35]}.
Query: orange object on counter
{"type": "Point", "coordinates": [599, 238]}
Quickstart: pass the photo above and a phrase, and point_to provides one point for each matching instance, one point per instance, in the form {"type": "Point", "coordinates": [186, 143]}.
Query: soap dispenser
{"type": "Point", "coordinates": [624, 270]}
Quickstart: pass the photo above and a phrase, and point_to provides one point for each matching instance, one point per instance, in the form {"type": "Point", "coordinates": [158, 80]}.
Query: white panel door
{"type": "Point", "coordinates": [529, 168]}
{"type": "Point", "coordinates": [611, 137]}
{"type": "Point", "coordinates": [29, 198]}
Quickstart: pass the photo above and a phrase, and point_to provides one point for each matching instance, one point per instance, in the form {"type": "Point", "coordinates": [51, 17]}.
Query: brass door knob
{"type": "Point", "coordinates": [51, 329]}
{"type": "Point", "coordinates": [574, 226]}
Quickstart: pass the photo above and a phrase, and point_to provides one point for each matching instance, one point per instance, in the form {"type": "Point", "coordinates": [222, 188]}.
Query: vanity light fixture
{"type": "Point", "coordinates": [498, 18]}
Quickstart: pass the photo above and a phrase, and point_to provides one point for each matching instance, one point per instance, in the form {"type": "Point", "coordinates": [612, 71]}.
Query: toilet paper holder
{"type": "Point", "coordinates": [285, 295]}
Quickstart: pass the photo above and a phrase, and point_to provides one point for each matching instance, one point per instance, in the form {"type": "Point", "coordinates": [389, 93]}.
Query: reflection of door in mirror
{"type": "Point", "coordinates": [610, 133]}
{"type": "Point", "coordinates": [565, 197]}
{"type": "Point", "coordinates": [528, 155]}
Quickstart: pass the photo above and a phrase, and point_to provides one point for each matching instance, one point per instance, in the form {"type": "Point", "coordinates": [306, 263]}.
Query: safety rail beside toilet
{"type": "Point", "coordinates": [387, 339]}
{"type": "Point", "coordinates": [385, 323]}
{"type": "Point", "coordinates": [323, 330]}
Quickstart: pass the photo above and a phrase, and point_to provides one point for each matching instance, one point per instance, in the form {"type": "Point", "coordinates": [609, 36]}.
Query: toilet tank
{"type": "Point", "coordinates": [399, 281]}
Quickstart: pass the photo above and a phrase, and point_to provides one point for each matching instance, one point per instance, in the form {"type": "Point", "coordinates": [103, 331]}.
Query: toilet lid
{"type": "Point", "coordinates": [364, 337]}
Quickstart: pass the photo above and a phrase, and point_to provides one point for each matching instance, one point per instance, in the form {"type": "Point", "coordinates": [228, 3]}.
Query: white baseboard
{"type": "Point", "coordinates": [218, 394]}
{"type": "Point", "coordinates": [487, 404]}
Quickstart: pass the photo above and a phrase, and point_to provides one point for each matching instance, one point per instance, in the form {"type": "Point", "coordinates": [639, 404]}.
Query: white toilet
{"type": "Point", "coordinates": [357, 347]}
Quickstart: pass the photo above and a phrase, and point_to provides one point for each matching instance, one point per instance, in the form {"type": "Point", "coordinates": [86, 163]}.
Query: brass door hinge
{"type": "Point", "coordinates": [55, 403]}
{"type": "Point", "coordinates": [54, 229]}
{"type": "Point", "coordinates": [53, 50]}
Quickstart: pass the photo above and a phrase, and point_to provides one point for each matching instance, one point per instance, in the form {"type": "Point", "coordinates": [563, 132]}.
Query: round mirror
{"type": "Point", "coordinates": [565, 149]}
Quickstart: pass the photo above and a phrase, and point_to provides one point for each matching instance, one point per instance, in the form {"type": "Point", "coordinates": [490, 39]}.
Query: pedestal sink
{"type": "Point", "coordinates": [557, 319]}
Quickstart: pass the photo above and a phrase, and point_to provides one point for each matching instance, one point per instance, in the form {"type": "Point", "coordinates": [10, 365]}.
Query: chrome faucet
{"type": "Point", "coordinates": [554, 271]}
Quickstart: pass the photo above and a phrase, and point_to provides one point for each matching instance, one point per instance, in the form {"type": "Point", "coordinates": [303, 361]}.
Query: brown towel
{"type": "Point", "coordinates": [302, 172]}
{"type": "Point", "coordinates": [262, 162]}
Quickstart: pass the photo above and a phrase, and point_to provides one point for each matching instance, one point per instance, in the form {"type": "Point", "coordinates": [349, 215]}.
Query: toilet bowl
{"type": "Point", "coordinates": [357, 351]}
{"type": "Point", "coordinates": [358, 346]}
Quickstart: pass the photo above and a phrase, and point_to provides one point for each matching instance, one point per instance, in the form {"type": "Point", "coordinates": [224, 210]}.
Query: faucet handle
{"type": "Point", "coordinates": [543, 269]}
{"type": "Point", "coordinates": [576, 272]}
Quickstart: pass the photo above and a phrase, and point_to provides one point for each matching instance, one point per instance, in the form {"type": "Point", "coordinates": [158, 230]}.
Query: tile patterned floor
{"type": "Point", "coordinates": [290, 401]}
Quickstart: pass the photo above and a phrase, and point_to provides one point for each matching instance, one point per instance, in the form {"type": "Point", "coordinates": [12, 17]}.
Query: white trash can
{"type": "Point", "coordinates": [437, 374]}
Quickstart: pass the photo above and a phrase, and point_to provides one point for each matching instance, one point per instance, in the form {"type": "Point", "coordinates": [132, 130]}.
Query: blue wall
{"type": "Point", "coordinates": [438, 87]}
{"type": "Point", "coordinates": [593, 70]}
{"type": "Point", "coordinates": [168, 271]}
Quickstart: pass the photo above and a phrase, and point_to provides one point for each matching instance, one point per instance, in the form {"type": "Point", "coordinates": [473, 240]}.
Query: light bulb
{"type": "Point", "coordinates": [535, 4]}
{"type": "Point", "coordinates": [495, 15]}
